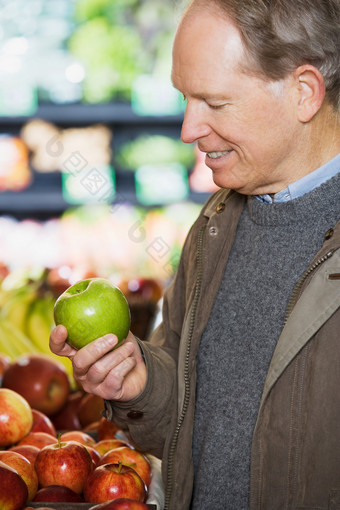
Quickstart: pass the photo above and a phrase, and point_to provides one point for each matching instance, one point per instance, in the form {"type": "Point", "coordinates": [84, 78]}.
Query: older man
{"type": "Point", "coordinates": [237, 389]}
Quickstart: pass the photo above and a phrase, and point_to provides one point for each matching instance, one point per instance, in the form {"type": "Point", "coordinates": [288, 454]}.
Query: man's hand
{"type": "Point", "coordinates": [118, 374]}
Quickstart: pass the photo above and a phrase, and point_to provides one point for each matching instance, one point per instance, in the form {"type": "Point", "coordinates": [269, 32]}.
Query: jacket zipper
{"type": "Point", "coordinates": [292, 302]}
{"type": "Point", "coordinates": [297, 288]}
{"type": "Point", "coordinates": [173, 445]}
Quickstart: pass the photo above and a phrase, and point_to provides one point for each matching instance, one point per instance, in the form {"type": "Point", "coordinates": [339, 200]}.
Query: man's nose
{"type": "Point", "coordinates": [194, 125]}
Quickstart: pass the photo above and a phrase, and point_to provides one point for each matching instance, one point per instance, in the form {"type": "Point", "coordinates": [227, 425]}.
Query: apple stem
{"type": "Point", "coordinates": [59, 440]}
{"type": "Point", "coordinates": [119, 466]}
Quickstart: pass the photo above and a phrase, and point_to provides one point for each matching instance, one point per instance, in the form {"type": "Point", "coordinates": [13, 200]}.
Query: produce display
{"type": "Point", "coordinates": [93, 466]}
{"type": "Point", "coordinates": [47, 420]}
{"type": "Point", "coordinates": [92, 308]}
{"type": "Point", "coordinates": [54, 411]}
{"type": "Point", "coordinates": [121, 241]}
{"type": "Point", "coordinates": [27, 302]}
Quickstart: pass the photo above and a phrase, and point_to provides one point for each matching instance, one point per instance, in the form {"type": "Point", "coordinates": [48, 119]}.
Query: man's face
{"type": "Point", "coordinates": [247, 129]}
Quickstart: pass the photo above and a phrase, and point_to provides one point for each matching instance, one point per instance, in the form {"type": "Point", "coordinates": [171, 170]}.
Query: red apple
{"type": "Point", "coordinates": [113, 481]}
{"type": "Point", "coordinates": [106, 429]}
{"type": "Point", "coordinates": [105, 445]}
{"type": "Point", "coordinates": [27, 450]}
{"type": "Point", "coordinates": [121, 504]}
{"type": "Point", "coordinates": [94, 454]}
{"type": "Point", "coordinates": [57, 493]}
{"type": "Point", "coordinates": [67, 418]}
{"type": "Point", "coordinates": [92, 427]}
{"type": "Point", "coordinates": [16, 417]}
{"type": "Point", "coordinates": [13, 490]}
{"type": "Point", "coordinates": [68, 463]}
{"type": "Point", "coordinates": [90, 409]}
{"type": "Point", "coordinates": [132, 458]}
{"type": "Point", "coordinates": [39, 439]}
{"type": "Point", "coordinates": [24, 468]}
{"type": "Point", "coordinates": [142, 289]}
{"type": "Point", "coordinates": [79, 436]}
{"type": "Point", "coordinates": [41, 380]}
{"type": "Point", "coordinates": [42, 423]}
{"type": "Point", "coordinates": [59, 279]}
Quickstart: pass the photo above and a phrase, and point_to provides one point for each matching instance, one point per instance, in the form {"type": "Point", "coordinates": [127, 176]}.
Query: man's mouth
{"type": "Point", "coordinates": [216, 155]}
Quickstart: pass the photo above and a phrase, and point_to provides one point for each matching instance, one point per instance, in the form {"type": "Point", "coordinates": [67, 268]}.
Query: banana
{"type": "Point", "coordinates": [11, 343]}
{"type": "Point", "coordinates": [16, 339]}
{"type": "Point", "coordinates": [16, 307]}
{"type": "Point", "coordinates": [38, 328]}
{"type": "Point", "coordinates": [6, 345]}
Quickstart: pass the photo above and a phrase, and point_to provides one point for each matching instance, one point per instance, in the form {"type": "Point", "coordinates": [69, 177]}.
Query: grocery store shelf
{"type": "Point", "coordinates": [82, 114]}
{"type": "Point", "coordinates": [43, 199]}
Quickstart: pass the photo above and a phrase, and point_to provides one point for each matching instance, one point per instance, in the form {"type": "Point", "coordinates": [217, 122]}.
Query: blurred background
{"type": "Point", "coordinates": [94, 179]}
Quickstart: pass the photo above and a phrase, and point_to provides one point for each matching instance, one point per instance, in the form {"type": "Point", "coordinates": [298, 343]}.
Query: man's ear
{"type": "Point", "coordinates": [311, 91]}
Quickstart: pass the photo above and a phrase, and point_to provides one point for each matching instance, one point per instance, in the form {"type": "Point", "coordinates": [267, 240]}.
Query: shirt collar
{"type": "Point", "coordinates": [305, 184]}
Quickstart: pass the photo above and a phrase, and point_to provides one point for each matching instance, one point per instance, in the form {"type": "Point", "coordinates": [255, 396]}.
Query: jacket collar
{"type": "Point", "coordinates": [216, 201]}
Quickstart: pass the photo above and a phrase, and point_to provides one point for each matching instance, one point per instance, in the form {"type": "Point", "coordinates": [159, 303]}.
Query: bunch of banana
{"type": "Point", "coordinates": [13, 341]}
{"type": "Point", "coordinates": [28, 310]}
{"type": "Point", "coordinates": [16, 303]}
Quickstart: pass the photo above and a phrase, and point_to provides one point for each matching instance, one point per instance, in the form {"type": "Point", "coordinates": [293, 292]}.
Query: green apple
{"type": "Point", "coordinates": [90, 309]}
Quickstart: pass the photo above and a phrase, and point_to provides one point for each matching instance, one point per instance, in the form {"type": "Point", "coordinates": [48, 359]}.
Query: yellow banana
{"type": "Point", "coordinates": [15, 306]}
{"type": "Point", "coordinates": [38, 327]}
{"type": "Point", "coordinates": [16, 309]}
{"type": "Point", "coordinates": [7, 344]}
{"type": "Point", "coordinates": [17, 339]}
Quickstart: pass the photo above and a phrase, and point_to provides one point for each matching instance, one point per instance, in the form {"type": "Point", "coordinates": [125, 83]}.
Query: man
{"type": "Point", "coordinates": [237, 389]}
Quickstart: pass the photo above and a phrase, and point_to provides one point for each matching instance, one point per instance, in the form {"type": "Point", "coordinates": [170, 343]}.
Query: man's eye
{"type": "Point", "coordinates": [216, 106]}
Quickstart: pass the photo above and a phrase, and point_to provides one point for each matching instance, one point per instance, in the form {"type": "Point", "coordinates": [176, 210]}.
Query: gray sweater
{"type": "Point", "coordinates": [274, 245]}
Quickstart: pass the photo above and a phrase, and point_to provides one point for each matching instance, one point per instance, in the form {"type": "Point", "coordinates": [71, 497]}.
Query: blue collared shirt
{"type": "Point", "coordinates": [306, 183]}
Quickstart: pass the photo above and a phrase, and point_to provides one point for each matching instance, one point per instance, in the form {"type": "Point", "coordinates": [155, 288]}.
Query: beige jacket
{"type": "Point", "coordinates": [295, 460]}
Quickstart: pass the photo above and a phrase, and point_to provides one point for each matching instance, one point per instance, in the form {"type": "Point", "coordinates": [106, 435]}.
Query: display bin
{"type": "Point", "coordinates": [71, 506]}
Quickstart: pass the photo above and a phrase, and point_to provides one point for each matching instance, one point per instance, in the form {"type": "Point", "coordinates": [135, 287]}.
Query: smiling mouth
{"type": "Point", "coordinates": [216, 155]}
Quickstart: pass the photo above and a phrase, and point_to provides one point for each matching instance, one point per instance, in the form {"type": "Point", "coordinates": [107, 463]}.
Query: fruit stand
{"type": "Point", "coordinates": [63, 451]}
{"type": "Point", "coordinates": [95, 182]}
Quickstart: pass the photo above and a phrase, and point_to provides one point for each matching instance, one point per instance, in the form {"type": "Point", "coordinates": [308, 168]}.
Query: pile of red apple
{"type": "Point", "coordinates": [85, 463]}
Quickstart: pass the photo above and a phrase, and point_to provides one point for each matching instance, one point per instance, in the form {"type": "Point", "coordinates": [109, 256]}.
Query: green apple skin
{"type": "Point", "coordinates": [90, 309]}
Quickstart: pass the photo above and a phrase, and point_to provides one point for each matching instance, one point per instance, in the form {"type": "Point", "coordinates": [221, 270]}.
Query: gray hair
{"type": "Point", "coordinates": [281, 35]}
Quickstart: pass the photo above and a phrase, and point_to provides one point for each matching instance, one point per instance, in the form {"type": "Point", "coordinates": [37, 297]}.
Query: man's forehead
{"type": "Point", "coordinates": [205, 39]}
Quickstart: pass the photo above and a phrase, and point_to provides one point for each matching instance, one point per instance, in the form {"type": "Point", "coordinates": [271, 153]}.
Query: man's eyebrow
{"type": "Point", "coordinates": [218, 96]}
